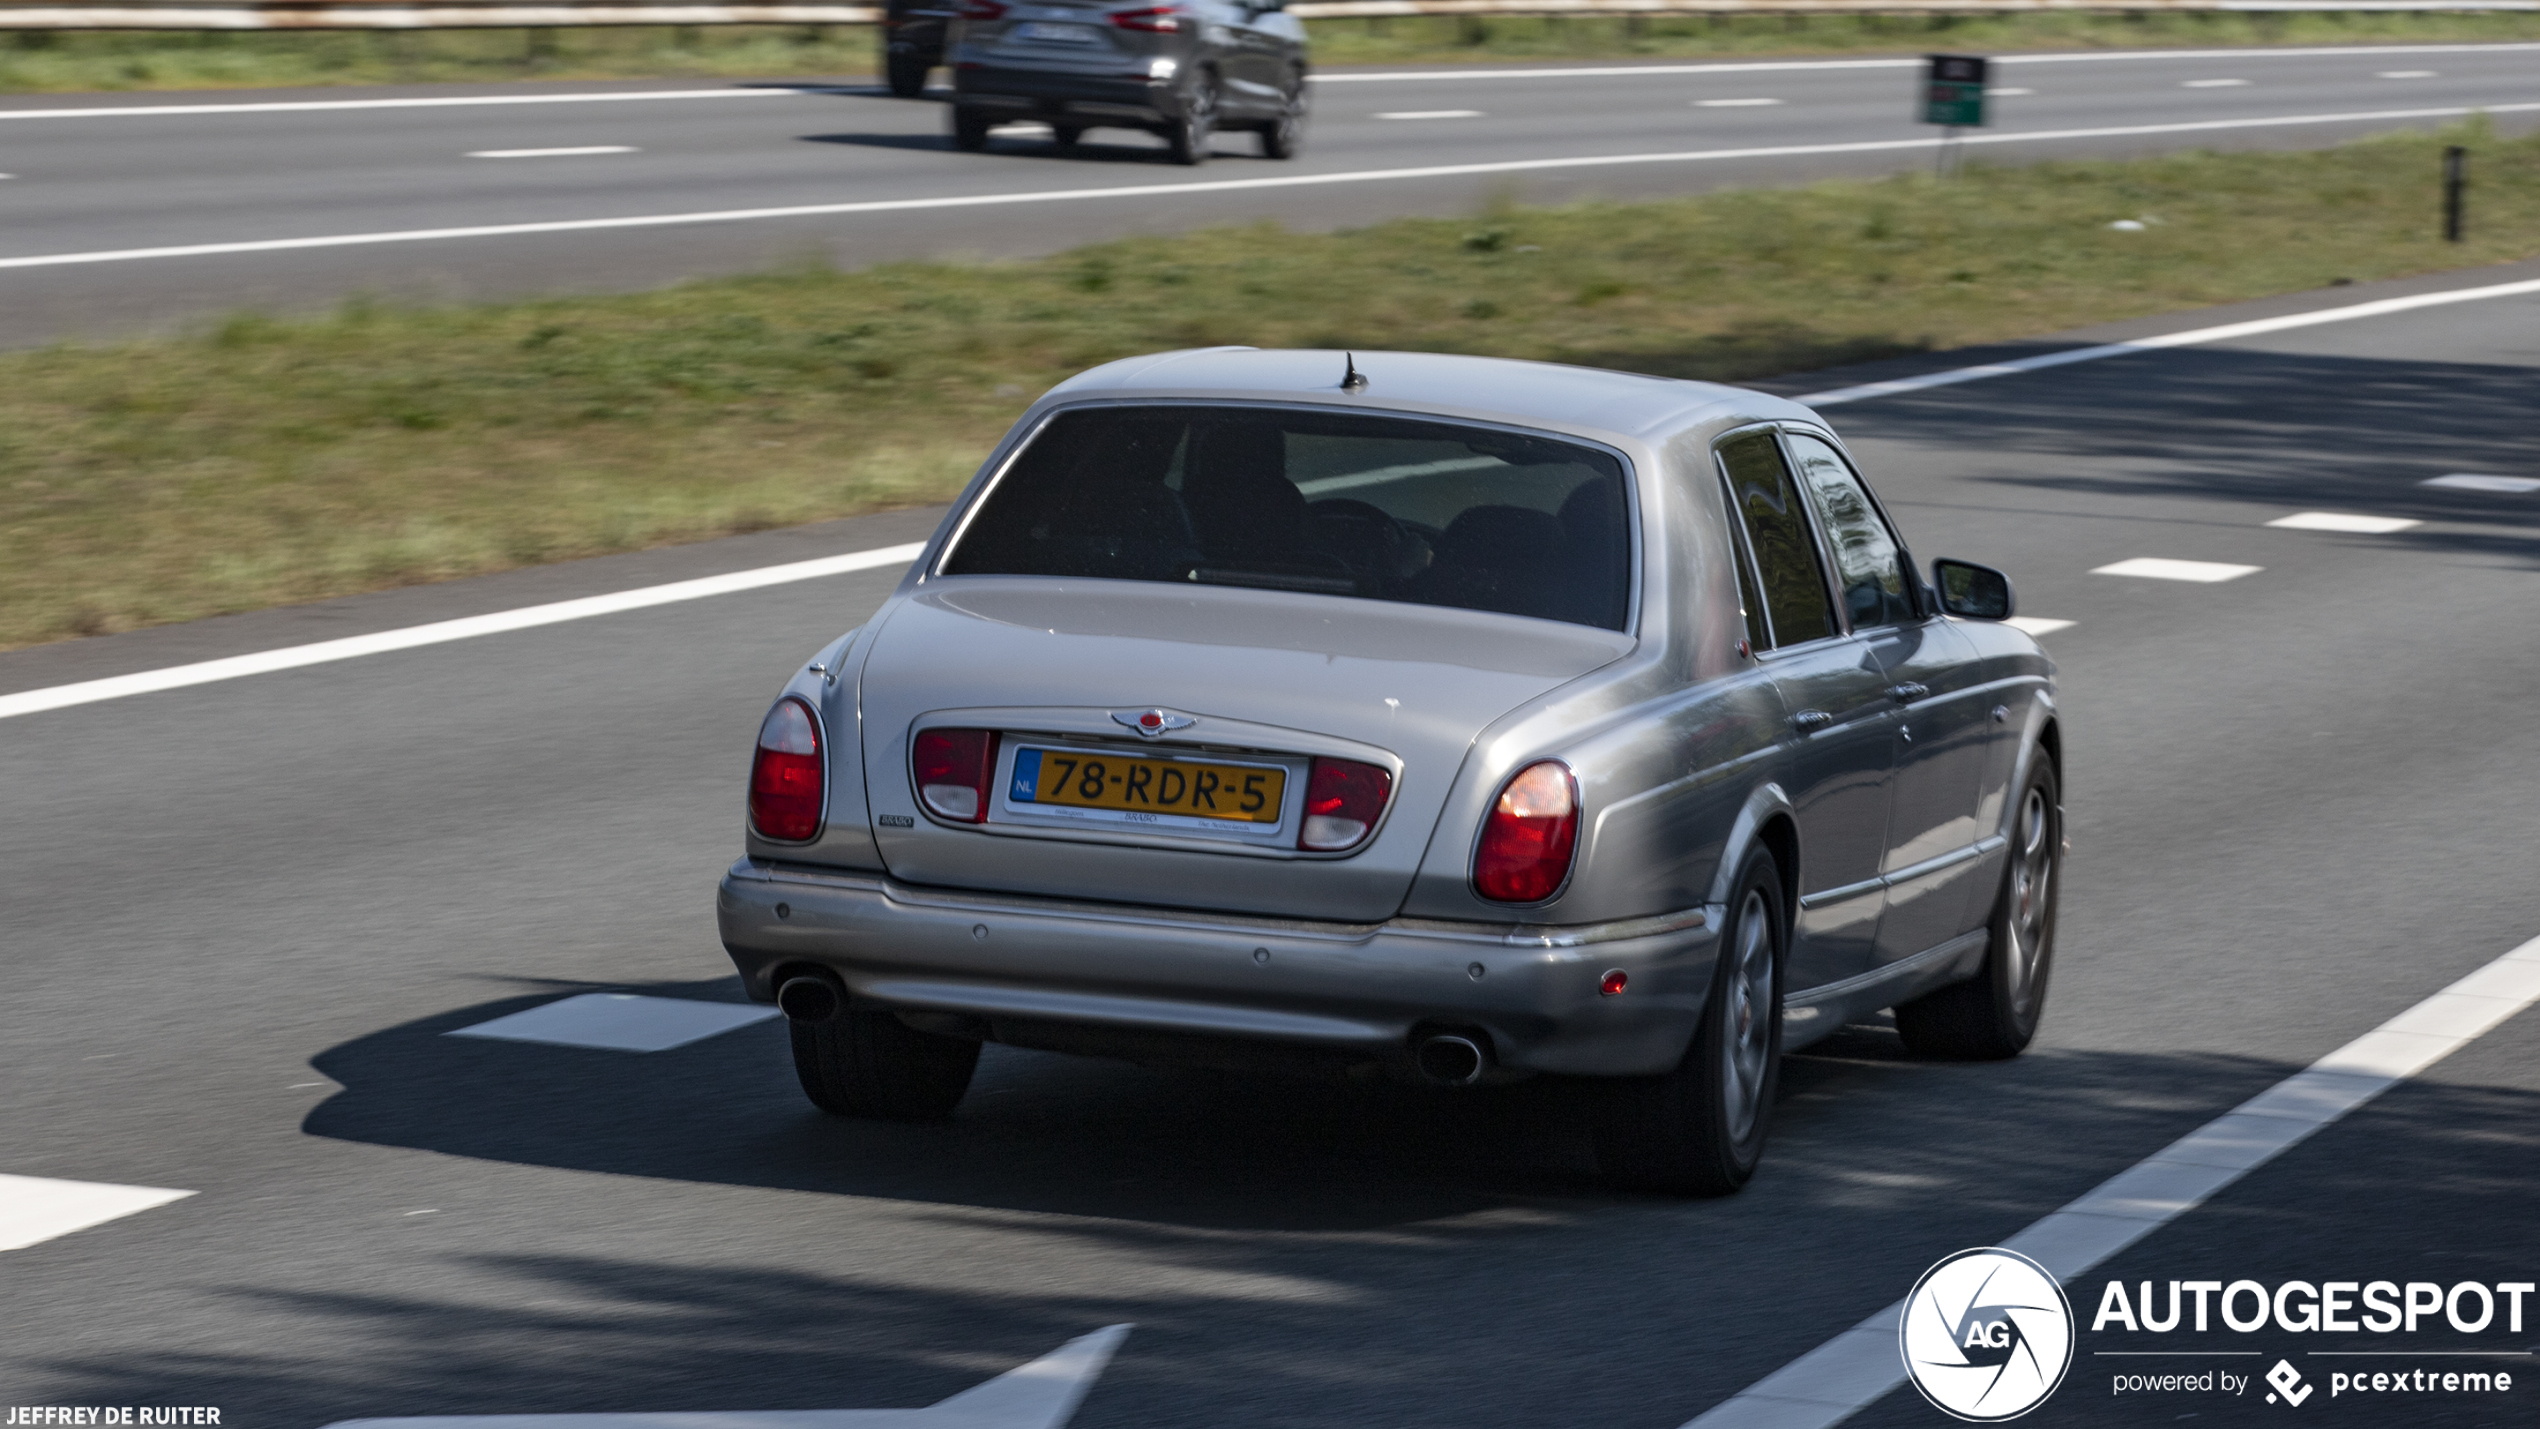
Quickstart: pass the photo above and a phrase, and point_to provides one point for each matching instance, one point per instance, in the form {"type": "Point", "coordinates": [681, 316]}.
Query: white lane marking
{"type": "Point", "coordinates": [1040, 1395]}
{"type": "Point", "coordinates": [574, 152]}
{"type": "Point", "coordinates": [1735, 103]}
{"type": "Point", "coordinates": [37, 1208]}
{"type": "Point", "coordinates": [1860, 1366]}
{"type": "Point", "coordinates": [2037, 625]}
{"type": "Point", "coordinates": [2159, 568]}
{"type": "Point", "coordinates": [2473, 481]}
{"type": "Point", "coordinates": [451, 101]}
{"type": "Point", "coordinates": [2212, 83]}
{"type": "Point", "coordinates": [620, 1022]}
{"type": "Point", "coordinates": [2192, 337]}
{"type": "Point", "coordinates": [1360, 176]}
{"type": "Point", "coordinates": [2009, 91]}
{"type": "Point", "coordinates": [2405, 74]}
{"type": "Point", "coordinates": [2076, 57]}
{"type": "Point", "coordinates": [527, 617]}
{"type": "Point", "coordinates": [2342, 521]}
{"type": "Point", "coordinates": [1432, 114]}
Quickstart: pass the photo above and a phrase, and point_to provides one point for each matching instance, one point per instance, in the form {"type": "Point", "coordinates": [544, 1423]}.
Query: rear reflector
{"type": "Point", "coordinates": [1342, 799]}
{"type": "Point", "coordinates": [1529, 837]}
{"type": "Point", "coordinates": [953, 769]}
{"type": "Point", "coordinates": [785, 781]}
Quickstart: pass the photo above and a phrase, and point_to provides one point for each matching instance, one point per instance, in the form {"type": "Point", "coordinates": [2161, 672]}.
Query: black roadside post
{"type": "Point", "coordinates": [1953, 97]}
{"type": "Point", "coordinates": [2455, 178]}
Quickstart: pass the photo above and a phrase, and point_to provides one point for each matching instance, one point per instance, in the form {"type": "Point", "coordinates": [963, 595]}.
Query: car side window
{"type": "Point", "coordinates": [1867, 556]}
{"type": "Point", "coordinates": [1794, 585]}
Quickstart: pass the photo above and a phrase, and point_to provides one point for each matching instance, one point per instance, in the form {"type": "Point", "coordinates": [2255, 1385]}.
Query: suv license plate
{"type": "Point", "coordinates": [1146, 789]}
{"type": "Point", "coordinates": [1043, 32]}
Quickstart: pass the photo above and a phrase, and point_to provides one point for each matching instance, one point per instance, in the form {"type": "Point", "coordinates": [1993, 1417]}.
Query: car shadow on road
{"type": "Point", "coordinates": [1046, 1133]}
{"type": "Point", "coordinates": [1033, 146]}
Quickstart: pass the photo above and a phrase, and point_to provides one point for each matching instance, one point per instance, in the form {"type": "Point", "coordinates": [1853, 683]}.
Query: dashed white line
{"type": "Point", "coordinates": [2405, 74]}
{"type": "Point", "coordinates": [2342, 521]}
{"type": "Point", "coordinates": [620, 1022]}
{"type": "Point", "coordinates": [1186, 187]}
{"type": "Point", "coordinates": [38, 1208]}
{"type": "Point", "coordinates": [527, 617]}
{"type": "Point", "coordinates": [2474, 481]}
{"type": "Point", "coordinates": [1735, 103]}
{"type": "Point", "coordinates": [1432, 114]}
{"type": "Point", "coordinates": [2161, 568]}
{"type": "Point", "coordinates": [2037, 625]}
{"type": "Point", "coordinates": [1860, 1366]}
{"type": "Point", "coordinates": [2212, 83]}
{"type": "Point", "coordinates": [2009, 91]}
{"type": "Point", "coordinates": [575, 152]}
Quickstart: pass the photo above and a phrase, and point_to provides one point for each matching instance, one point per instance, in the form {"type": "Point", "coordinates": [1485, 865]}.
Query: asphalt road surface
{"type": "Point", "coordinates": [334, 173]}
{"type": "Point", "coordinates": [240, 917]}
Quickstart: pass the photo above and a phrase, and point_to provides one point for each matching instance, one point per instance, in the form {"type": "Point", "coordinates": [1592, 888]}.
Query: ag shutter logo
{"type": "Point", "coordinates": [1987, 1335]}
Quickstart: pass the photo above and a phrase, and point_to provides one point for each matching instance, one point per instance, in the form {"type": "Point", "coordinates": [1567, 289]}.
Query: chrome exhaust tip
{"type": "Point", "coordinates": [1450, 1061]}
{"type": "Point", "coordinates": [811, 999]}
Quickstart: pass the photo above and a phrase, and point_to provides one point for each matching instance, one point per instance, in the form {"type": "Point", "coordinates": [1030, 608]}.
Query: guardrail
{"type": "Point", "coordinates": [504, 14]}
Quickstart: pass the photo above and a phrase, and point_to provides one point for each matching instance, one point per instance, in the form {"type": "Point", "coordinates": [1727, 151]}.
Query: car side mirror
{"type": "Point", "coordinates": [1972, 591]}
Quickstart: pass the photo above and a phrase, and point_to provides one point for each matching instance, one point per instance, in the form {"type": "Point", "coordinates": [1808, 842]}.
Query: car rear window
{"type": "Point", "coordinates": [1379, 507]}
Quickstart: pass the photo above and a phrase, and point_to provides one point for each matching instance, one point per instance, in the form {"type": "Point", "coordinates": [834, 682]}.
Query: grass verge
{"type": "Point", "coordinates": [265, 462]}
{"type": "Point", "coordinates": [35, 61]}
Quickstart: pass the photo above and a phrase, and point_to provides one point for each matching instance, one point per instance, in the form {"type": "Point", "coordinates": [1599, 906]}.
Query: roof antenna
{"type": "Point", "coordinates": [1352, 380]}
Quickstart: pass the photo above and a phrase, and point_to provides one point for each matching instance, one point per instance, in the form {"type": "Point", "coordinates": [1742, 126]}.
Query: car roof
{"type": "Point", "coordinates": [1497, 388]}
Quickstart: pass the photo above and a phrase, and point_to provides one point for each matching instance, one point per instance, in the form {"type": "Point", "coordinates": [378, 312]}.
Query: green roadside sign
{"type": "Point", "coordinates": [1953, 91]}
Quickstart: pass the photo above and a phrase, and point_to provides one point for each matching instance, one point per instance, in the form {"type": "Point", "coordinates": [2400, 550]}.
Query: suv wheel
{"type": "Point", "coordinates": [969, 128]}
{"type": "Point", "coordinates": [1191, 134]}
{"type": "Point", "coordinates": [1283, 136]}
{"type": "Point", "coordinates": [905, 71]}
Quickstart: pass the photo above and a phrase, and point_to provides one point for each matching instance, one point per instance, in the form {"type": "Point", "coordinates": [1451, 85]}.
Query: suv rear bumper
{"type": "Point", "coordinates": [1012, 968]}
{"type": "Point", "coordinates": [1059, 93]}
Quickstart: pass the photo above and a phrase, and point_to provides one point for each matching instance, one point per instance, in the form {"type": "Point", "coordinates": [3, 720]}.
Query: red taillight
{"type": "Point", "coordinates": [953, 768]}
{"type": "Point", "coordinates": [1529, 837]}
{"type": "Point", "coordinates": [785, 777]}
{"type": "Point", "coordinates": [1156, 19]}
{"type": "Point", "coordinates": [1342, 799]}
{"type": "Point", "coordinates": [982, 10]}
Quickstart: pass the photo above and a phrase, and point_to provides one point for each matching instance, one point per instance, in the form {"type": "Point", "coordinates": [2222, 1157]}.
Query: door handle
{"type": "Point", "coordinates": [1812, 719]}
{"type": "Point", "coordinates": [1908, 692]}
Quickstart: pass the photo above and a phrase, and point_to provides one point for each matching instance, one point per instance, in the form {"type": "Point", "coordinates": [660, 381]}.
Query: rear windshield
{"type": "Point", "coordinates": [1385, 508]}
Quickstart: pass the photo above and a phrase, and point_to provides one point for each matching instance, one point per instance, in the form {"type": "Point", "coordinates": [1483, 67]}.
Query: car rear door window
{"type": "Point", "coordinates": [1378, 507]}
{"type": "Point", "coordinates": [1794, 585]}
{"type": "Point", "coordinates": [1868, 560]}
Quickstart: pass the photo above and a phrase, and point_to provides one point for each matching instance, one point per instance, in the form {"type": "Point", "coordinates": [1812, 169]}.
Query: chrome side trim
{"type": "Point", "coordinates": [1704, 918]}
{"type": "Point", "coordinates": [1955, 856]}
{"type": "Point", "coordinates": [1902, 968]}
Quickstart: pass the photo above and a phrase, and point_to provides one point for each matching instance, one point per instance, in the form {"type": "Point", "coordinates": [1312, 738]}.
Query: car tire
{"type": "Point", "coordinates": [905, 73]}
{"type": "Point", "coordinates": [1994, 1014]}
{"type": "Point", "coordinates": [970, 128]}
{"type": "Point", "coordinates": [1283, 136]}
{"type": "Point", "coordinates": [871, 1064]}
{"type": "Point", "coordinates": [1699, 1130]}
{"type": "Point", "coordinates": [1066, 136]}
{"type": "Point", "coordinates": [1191, 134]}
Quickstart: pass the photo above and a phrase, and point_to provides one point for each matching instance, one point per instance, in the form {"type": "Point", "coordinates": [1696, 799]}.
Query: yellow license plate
{"type": "Point", "coordinates": [1138, 784]}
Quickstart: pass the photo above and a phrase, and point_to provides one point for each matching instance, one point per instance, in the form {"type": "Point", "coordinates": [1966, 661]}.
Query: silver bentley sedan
{"type": "Point", "coordinates": [1446, 717]}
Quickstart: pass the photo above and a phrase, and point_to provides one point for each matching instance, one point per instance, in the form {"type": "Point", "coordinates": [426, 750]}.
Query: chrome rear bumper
{"type": "Point", "coordinates": [1358, 990]}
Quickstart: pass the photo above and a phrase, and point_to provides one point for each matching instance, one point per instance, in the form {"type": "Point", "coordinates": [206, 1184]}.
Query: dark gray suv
{"type": "Point", "coordinates": [1181, 70]}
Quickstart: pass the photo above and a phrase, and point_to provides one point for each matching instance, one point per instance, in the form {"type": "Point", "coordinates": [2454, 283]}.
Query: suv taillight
{"type": "Point", "coordinates": [953, 768]}
{"type": "Point", "coordinates": [1156, 19]}
{"type": "Point", "coordinates": [1527, 841]}
{"type": "Point", "coordinates": [785, 782]}
{"type": "Point", "coordinates": [1342, 799]}
{"type": "Point", "coordinates": [981, 10]}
